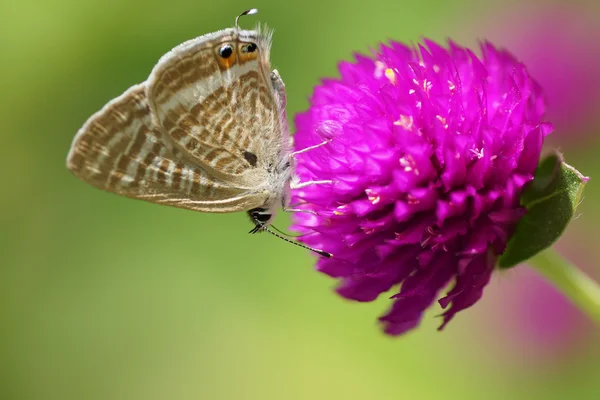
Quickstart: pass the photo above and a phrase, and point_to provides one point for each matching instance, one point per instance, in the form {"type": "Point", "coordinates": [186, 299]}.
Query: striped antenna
{"type": "Point", "coordinates": [261, 227]}
{"type": "Point", "coordinates": [247, 12]}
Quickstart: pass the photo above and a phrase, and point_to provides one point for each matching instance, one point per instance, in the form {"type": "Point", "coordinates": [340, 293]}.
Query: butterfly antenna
{"type": "Point", "coordinates": [320, 252]}
{"type": "Point", "coordinates": [247, 12]}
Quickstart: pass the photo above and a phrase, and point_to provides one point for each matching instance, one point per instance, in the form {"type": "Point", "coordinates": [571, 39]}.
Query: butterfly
{"type": "Point", "coordinates": [207, 131]}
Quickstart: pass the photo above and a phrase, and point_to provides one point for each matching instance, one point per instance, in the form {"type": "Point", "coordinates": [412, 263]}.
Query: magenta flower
{"type": "Point", "coordinates": [429, 151]}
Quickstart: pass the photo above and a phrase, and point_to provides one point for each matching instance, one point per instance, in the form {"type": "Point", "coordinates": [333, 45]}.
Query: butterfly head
{"type": "Point", "coordinates": [260, 217]}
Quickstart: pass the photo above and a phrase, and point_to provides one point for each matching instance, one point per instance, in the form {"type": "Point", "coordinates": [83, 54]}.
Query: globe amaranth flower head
{"type": "Point", "coordinates": [429, 150]}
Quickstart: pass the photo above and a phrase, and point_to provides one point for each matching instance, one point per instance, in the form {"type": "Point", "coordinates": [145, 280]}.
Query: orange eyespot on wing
{"type": "Point", "coordinates": [226, 55]}
{"type": "Point", "coordinates": [248, 51]}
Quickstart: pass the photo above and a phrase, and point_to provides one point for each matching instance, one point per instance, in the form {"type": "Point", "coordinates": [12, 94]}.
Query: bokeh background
{"type": "Point", "coordinates": [103, 297]}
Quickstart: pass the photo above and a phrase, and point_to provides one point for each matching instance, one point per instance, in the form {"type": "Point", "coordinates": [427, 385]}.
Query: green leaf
{"type": "Point", "coordinates": [551, 200]}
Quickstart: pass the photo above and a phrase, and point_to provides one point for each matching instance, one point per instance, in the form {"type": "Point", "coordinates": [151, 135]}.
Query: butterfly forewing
{"type": "Point", "coordinates": [215, 100]}
{"type": "Point", "coordinates": [120, 149]}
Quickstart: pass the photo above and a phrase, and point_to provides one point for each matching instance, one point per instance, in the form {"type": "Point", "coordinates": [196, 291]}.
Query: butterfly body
{"type": "Point", "coordinates": [206, 131]}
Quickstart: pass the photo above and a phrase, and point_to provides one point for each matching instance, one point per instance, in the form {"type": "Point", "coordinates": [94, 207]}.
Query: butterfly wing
{"type": "Point", "coordinates": [219, 107]}
{"type": "Point", "coordinates": [120, 149]}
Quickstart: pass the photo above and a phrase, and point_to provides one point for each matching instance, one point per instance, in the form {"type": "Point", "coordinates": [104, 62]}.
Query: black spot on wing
{"type": "Point", "coordinates": [251, 158]}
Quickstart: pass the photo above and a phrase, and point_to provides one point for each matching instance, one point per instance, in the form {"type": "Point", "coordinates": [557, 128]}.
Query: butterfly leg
{"type": "Point", "coordinates": [299, 210]}
{"type": "Point", "coordinates": [300, 203]}
{"type": "Point", "coordinates": [300, 185]}
{"type": "Point", "coordinates": [309, 148]}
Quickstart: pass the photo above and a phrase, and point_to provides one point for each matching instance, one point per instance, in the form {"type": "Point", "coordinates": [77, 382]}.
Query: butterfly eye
{"type": "Point", "coordinates": [260, 215]}
{"type": "Point", "coordinates": [226, 51]}
{"type": "Point", "coordinates": [249, 48]}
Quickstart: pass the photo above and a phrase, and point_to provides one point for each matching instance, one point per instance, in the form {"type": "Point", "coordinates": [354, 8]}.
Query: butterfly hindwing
{"type": "Point", "coordinates": [120, 149]}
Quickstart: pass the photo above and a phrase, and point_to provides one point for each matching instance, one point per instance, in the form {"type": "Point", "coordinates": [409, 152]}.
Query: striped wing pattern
{"type": "Point", "coordinates": [120, 150]}
{"type": "Point", "coordinates": [223, 116]}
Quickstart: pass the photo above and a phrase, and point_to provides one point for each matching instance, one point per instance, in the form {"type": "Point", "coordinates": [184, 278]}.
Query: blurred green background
{"type": "Point", "coordinates": [103, 297]}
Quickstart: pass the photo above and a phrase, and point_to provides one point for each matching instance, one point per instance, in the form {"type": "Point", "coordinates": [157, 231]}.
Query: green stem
{"type": "Point", "coordinates": [569, 279]}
